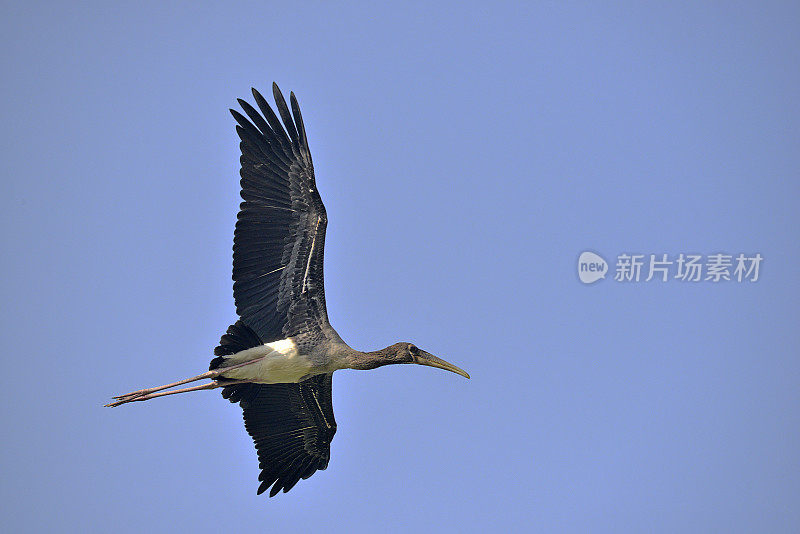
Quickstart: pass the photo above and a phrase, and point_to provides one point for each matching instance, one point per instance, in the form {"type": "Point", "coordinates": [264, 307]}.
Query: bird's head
{"type": "Point", "coordinates": [409, 353]}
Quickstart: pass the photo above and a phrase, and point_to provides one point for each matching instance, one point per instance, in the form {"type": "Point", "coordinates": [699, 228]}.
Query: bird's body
{"type": "Point", "coordinates": [274, 363]}
{"type": "Point", "coordinates": [277, 360]}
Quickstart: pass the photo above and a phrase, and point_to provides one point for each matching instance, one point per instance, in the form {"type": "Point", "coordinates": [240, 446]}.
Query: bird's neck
{"type": "Point", "coordinates": [354, 359]}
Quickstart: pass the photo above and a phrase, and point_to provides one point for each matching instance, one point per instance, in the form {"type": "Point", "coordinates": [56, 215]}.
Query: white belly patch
{"type": "Point", "coordinates": [272, 363]}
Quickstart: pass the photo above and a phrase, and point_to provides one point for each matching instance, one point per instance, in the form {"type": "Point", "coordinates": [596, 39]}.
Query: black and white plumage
{"type": "Point", "coordinates": [291, 424]}
{"type": "Point", "coordinates": [278, 249]}
{"type": "Point", "coordinates": [278, 359]}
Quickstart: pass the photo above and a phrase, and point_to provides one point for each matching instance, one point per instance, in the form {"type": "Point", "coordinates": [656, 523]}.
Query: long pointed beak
{"type": "Point", "coordinates": [426, 358]}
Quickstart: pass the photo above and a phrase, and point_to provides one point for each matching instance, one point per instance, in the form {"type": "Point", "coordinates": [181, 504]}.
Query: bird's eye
{"type": "Point", "coordinates": [412, 349]}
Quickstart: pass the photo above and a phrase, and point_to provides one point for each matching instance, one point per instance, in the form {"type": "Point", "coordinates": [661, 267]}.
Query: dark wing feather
{"type": "Point", "coordinates": [292, 425]}
{"type": "Point", "coordinates": [279, 240]}
{"type": "Point", "coordinates": [278, 287]}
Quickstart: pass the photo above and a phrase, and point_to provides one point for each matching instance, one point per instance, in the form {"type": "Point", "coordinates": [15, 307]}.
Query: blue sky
{"type": "Point", "coordinates": [467, 155]}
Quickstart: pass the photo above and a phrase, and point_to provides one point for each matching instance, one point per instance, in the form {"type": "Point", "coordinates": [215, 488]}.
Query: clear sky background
{"type": "Point", "coordinates": [467, 154]}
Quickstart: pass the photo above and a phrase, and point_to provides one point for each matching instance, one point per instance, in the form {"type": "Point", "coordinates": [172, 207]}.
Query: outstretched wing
{"type": "Point", "coordinates": [279, 240]}
{"type": "Point", "coordinates": [292, 425]}
{"type": "Point", "coordinates": [278, 248]}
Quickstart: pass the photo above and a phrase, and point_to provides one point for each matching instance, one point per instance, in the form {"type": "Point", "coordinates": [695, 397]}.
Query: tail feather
{"type": "Point", "coordinates": [238, 338]}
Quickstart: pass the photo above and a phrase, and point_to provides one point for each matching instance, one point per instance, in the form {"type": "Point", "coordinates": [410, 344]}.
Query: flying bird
{"type": "Point", "coordinates": [278, 359]}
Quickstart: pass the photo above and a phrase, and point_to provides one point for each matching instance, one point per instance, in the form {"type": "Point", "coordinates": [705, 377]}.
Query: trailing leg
{"type": "Point", "coordinates": [214, 374]}
{"type": "Point", "coordinates": [148, 396]}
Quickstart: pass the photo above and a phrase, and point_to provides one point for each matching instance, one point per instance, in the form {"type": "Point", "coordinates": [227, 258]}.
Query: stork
{"type": "Point", "coordinates": [277, 360]}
